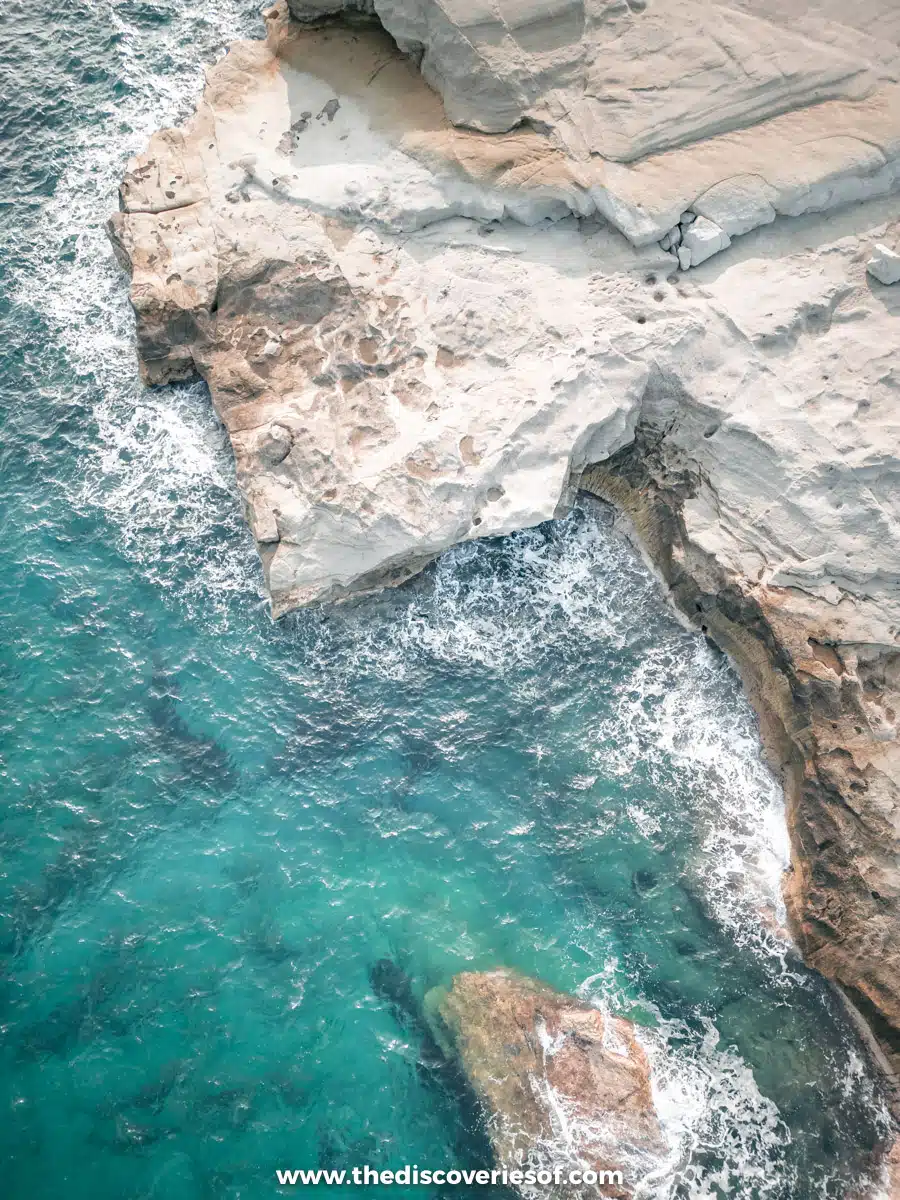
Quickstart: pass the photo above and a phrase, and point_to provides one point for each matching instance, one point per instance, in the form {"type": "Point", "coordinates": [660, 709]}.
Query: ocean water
{"type": "Point", "coordinates": [216, 830]}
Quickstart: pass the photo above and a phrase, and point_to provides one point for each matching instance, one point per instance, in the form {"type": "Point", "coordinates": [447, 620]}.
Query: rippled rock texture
{"type": "Point", "coordinates": [412, 343]}
{"type": "Point", "coordinates": [563, 1085]}
{"type": "Point", "coordinates": [714, 108]}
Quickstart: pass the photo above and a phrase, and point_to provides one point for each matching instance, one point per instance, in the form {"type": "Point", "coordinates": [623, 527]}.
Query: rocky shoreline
{"type": "Point", "coordinates": [798, 686]}
{"type": "Point", "coordinates": [412, 341]}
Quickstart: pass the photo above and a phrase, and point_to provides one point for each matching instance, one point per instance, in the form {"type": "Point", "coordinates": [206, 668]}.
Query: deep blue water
{"type": "Point", "coordinates": [213, 827]}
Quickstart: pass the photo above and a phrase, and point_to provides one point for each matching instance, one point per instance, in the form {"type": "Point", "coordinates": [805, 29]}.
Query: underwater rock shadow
{"type": "Point", "coordinates": [202, 759]}
{"type": "Point", "coordinates": [87, 859]}
{"type": "Point", "coordinates": [93, 1008]}
{"type": "Point", "coordinates": [441, 1075]}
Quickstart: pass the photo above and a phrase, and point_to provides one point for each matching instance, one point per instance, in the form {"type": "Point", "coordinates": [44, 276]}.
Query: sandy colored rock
{"type": "Point", "coordinates": [368, 434]}
{"type": "Point", "coordinates": [562, 1084]}
{"type": "Point", "coordinates": [704, 238]}
{"type": "Point", "coordinates": [622, 80]}
{"type": "Point", "coordinates": [891, 1183]}
{"type": "Point", "coordinates": [657, 105]}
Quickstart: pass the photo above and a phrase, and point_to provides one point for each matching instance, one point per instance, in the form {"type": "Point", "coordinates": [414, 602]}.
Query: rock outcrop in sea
{"type": "Point", "coordinates": [564, 1087]}
{"type": "Point", "coordinates": [441, 269]}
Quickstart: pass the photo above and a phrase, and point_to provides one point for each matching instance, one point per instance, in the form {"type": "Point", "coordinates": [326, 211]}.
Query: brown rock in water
{"type": "Point", "coordinates": [563, 1084]}
{"type": "Point", "coordinates": [823, 672]}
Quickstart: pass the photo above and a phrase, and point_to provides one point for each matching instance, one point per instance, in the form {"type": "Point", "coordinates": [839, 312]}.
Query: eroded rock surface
{"type": "Point", "coordinates": [563, 1085]}
{"type": "Point", "coordinates": [376, 418]}
{"type": "Point", "coordinates": [622, 80]}
{"type": "Point", "coordinates": [715, 107]}
{"type": "Point", "coordinates": [400, 366]}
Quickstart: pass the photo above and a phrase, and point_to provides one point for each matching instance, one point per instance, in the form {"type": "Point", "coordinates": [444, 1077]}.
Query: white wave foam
{"type": "Point", "coordinates": [578, 1142]}
{"type": "Point", "coordinates": [157, 464]}
{"type": "Point", "coordinates": [505, 605]}
{"type": "Point", "coordinates": [709, 1106]}
{"type": "Point", "coordinates": [678, 719]}
{"type": "Point", "coordinates": [723, 1137]}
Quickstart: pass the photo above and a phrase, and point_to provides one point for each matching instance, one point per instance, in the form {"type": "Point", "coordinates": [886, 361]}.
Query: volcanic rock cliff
{"type": "Point", "coordinates": [423, 322]}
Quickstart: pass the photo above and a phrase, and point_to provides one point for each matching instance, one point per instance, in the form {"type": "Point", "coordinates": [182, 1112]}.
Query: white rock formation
{"type": "Point", "coordinates": [738, 204]}
{"type": "Point", "coordinates": [401, 366]}
{"type": "Point", "coordinates": [664, 105]}
{"type": "Point", "coordinates": [702, 239]}
{"type": "Point", "coordinates": [884, 265]}
{"type": "Point", "coordinates": [394, 380]}
{"type": "Point", "coordinates": [620, 79]}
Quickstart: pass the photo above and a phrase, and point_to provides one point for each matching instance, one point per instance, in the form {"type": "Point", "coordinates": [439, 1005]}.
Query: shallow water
{"type": "Point", "coordinates": [215, 828]}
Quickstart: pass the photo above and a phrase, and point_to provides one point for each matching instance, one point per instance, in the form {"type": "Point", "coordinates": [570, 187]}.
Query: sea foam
{"type": "Point", "coordinates": [157, 464]}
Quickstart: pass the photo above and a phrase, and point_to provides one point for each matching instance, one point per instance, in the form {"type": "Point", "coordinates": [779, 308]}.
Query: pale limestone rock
{"type": "Point", "coordinates": [374, 425]}
{"type": "Point", "coordinates": [416, 364]}
{"type": "Point", "coordinates": [867, 28]}
{"type": "Point", "coordinates": [703, 238]}
{"type": "Point", "coordinates": [884, 265]}
{"type": "Point", "coordinates": [768, 120]}
{"type": "Point", "coordinates": [609, 78]}
{"type": "Point", "coordinates": [274, 443]}
{"type": "Point", "coordinates": [738, 205]}
{"type": "Point", "coordinates": [776, 302]}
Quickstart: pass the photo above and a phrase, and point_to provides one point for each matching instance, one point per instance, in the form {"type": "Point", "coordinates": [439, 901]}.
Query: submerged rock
{"type": "Point", "coordinates": [564, 1086]}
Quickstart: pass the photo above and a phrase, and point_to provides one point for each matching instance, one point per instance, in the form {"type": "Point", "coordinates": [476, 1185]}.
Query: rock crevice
{"type": "Point", "coordinates": [826, 691]}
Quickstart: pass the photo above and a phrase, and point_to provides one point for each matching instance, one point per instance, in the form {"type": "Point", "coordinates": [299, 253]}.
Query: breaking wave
{"type": "Point", "coordinates": [675, 727]}
{"type": "Point", "coordinates": [156, 463]}
{"type": "Point", "coordinates": [677, 717]}
{"type": "Point", "coordinates": [722, 1136]}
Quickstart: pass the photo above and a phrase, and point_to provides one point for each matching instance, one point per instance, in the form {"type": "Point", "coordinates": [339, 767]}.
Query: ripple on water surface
{"type": "Point", "coordinates": [215, 829]}
{"type": "Point", "coordinates": [486, 768]}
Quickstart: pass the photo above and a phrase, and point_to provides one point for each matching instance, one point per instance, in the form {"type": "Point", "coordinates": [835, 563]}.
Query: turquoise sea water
{"type": "Point", "coordinates": [215, 830]}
